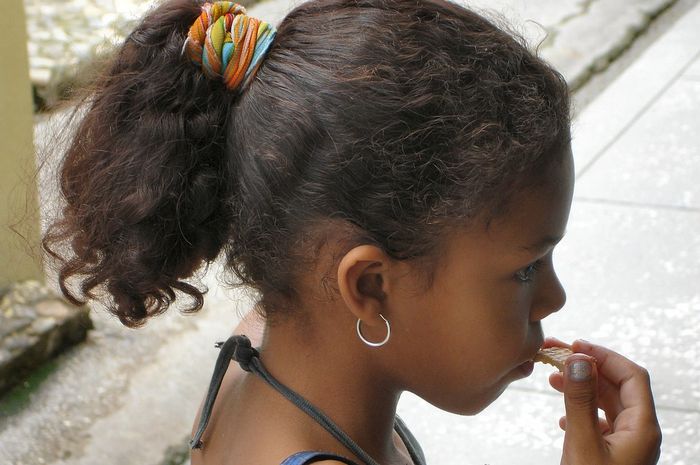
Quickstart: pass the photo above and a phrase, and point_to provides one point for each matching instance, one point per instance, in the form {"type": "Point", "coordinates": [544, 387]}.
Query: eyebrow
{"type": "Point", "coordinates": [543, 243]}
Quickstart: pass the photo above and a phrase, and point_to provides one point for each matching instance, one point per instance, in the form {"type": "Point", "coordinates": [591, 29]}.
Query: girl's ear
{"type": "Point", "coordinates": [363, 281]}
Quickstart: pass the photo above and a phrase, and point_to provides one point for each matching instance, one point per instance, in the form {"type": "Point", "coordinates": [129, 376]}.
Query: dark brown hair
{"type": "Point", "coordinates": [372, 121]}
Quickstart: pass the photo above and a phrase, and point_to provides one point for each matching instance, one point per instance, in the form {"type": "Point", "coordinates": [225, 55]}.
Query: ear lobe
{"type": "Point", "coordinates": [362, 281]}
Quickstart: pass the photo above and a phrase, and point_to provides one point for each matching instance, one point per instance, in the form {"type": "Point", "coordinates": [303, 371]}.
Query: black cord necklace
{"type": "Point", "coordinates": [238, 348]}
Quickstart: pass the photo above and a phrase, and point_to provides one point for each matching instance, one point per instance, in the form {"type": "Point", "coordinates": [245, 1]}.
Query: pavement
{"type": "Point", "coordinates": [65, 35]}
{"type": "Point", "coordinates": [628, 263]}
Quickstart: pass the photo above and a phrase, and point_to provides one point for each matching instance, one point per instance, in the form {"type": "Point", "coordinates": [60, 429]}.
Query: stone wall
{"type": "Point", "coordinates": [35, 325]}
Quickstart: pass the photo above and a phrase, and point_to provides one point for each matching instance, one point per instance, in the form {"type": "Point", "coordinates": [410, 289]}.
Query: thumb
{"type": "Point", "coordinates": [583, 441]}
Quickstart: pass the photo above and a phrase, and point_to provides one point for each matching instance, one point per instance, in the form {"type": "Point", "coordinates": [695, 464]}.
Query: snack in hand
{"type": "Point", "coordinates": [554, 356]}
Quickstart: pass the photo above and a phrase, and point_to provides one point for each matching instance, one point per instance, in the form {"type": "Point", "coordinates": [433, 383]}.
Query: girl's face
{"type": "Point", "coordinates": [461, 343]}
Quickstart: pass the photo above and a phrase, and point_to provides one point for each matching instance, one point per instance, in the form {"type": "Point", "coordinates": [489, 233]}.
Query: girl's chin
{"type": "Point", "coordinates": [525, 369]}
{"type": "Point", "coordinates": [478, 402]}
{"type": "Point", "coordinates": [471, 403]}
{"type": "Point", "coordinates": [521, 371]}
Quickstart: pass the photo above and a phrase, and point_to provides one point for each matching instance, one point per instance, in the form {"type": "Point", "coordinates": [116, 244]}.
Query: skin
{"type": "Point", "coordinates": [458, 345]}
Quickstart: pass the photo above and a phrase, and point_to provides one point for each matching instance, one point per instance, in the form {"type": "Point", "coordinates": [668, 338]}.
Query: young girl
{"type": "Point", "coordinates": [390, 176]}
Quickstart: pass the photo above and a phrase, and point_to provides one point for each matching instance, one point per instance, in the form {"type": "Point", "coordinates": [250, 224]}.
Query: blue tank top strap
{"type": "Point", "coordinates": [414, 449]}
{"type": "Point", "coordinates": [309, 456]}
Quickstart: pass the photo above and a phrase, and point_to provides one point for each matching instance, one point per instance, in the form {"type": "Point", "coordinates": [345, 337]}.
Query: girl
{"type": "Point", "coordinates": [390, 176]}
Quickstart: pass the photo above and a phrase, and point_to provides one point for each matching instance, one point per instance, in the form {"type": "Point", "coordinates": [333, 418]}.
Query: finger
{"type": "Point", "coordinates": [581, 403]}
{"type": "Point", "coordinates": [624, 376]}
{"type": "Point", "coordinates": [554, 342]}
{"type": "Point", "coordinates": [603, 425]}
{"type": "Point", "coordinates": [556, 380]}
{"type": "Point", "coordinates": [608, 396]}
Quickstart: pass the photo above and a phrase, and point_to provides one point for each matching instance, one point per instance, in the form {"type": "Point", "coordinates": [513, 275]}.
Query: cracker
{"type": "Point", "coordinates": [554, 356]}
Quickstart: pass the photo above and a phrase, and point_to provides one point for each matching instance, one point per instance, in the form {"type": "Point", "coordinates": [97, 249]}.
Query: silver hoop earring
{"type": "Point", "coordinates": [374, 344]}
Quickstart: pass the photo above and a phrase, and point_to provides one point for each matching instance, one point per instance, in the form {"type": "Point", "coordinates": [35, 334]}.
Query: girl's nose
{"type": "Point", "coordinates": [550, 298]}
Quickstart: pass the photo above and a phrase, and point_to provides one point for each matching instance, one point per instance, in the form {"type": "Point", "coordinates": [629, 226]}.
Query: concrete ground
{"type": "Point", "coordinates": [629, 264]}
{"type": "Point", "coordinates": [65, 34]}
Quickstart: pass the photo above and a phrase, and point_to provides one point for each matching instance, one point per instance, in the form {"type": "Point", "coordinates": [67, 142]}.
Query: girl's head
{"type": "Point", "coordinates": [416, 136]}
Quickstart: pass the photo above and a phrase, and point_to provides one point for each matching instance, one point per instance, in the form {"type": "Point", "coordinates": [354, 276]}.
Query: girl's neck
{"type": "Point", "coordinates": [336, 374]}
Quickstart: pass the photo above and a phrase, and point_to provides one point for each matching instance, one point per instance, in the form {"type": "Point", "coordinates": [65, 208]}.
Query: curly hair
{"type": "Point", "coordinates": [383, 122]}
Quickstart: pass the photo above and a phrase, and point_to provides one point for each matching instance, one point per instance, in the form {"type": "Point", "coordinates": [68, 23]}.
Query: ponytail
{"type": "Point", "coordinates": [145, 178]}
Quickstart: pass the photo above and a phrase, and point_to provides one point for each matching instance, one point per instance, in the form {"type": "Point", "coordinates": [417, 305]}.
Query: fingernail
{"type": "Point", "coordinates": [580, 370]}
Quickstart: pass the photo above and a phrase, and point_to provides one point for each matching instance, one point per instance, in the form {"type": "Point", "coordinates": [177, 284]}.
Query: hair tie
{"type": "Point", "coordinates": [228, 44]}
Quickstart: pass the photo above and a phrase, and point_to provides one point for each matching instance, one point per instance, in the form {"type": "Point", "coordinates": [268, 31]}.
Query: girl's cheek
{"type": "Point", "coordinates": [517, 303]}
{"type": "Point", "coordinates": [524, 298]}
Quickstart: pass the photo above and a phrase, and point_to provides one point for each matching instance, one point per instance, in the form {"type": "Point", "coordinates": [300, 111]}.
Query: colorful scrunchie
{"type": "Point", "coordinates": [228, 44]}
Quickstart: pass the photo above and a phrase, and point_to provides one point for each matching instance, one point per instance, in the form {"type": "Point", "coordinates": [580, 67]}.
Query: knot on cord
{"type": "Point", "coordinates": [236, 347]}
{"type": "Point", "coordinates": [239, 349]}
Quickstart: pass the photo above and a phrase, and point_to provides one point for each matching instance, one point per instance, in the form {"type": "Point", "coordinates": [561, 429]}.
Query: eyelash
{"type": "Point", "coordinates": [525, 275]}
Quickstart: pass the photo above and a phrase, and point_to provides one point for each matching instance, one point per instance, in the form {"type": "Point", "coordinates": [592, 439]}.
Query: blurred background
{"type": "Point", "coordinates": [76, 387]}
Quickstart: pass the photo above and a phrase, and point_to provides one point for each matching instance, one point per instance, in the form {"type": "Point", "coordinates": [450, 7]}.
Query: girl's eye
{"type": "Point", "coordinates": [526, 274]}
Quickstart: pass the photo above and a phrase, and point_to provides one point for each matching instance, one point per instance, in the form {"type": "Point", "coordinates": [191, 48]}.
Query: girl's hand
{"type": "Point", "coordinates": [596, 377]}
